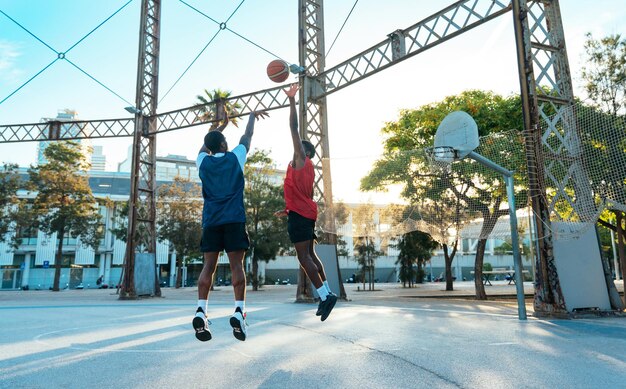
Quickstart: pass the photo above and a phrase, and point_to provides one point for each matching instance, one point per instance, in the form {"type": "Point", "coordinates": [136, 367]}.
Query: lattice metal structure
{"type": "Point", "coordinates": [551, 137]}
{"type": "Point", "coordinates": [267, 99]}
{"type": "Point", "coordinates": [142, 203]}
{"type": "Point", "coordinates": [451, 21]}
{"type": "Point", "coordinates": [56, 130]}
{"type": "Point", "coordinates": [313, 118]}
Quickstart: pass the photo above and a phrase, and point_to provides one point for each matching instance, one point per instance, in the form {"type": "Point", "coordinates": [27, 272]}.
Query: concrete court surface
{"type": "Point", "coordinates": [390, 338]}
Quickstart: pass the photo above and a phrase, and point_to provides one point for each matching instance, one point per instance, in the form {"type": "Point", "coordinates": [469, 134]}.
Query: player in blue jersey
{"type": "Point", "coordinates": [223, 220]}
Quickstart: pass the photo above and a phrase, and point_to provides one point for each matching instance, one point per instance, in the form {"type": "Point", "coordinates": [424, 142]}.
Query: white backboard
{"type": "Point", "coordinates": [459, 131]}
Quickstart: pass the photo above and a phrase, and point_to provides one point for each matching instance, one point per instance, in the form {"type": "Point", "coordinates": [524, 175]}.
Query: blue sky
{"type": "Point", "coordinates": [483, 58]}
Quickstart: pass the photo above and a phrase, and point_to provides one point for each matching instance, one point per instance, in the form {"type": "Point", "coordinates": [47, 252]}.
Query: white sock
{"type": "Point", "coordinates": [322, 292]}
{"type": "Point", "coordinates": [327, 286]}
{"type": "Point", "coordinates": [241, 305]}
{"type": "Point", "coordinates": [203, 304]}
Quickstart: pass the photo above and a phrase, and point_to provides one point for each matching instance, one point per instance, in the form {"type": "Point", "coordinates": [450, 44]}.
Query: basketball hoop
{"type": "Point", "coordinates": [445, 154]}
{"type": "Point", "coordinates": [440, 157]}
{"type": "Point", "coordinates": [456, 137]}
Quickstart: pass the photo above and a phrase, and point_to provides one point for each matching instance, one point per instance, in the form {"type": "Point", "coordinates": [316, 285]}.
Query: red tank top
{"type": "Point", "coordinates": [298, 190]}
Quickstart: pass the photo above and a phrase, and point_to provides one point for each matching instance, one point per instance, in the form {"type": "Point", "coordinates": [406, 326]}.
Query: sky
{"type": "Point", "coordinates": [483, 58]}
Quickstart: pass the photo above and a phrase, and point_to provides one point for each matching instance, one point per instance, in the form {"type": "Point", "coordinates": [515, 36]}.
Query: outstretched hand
{"type": "Point", "coordinates": [260, 114]}
{"type": "Point", "coordinates": [293, 89]}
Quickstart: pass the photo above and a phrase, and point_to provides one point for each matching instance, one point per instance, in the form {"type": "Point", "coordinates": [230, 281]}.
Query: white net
{"type": "Point", "coordinates": [585, 173]}
{"type": "Point", "coordinates": [584, 161]}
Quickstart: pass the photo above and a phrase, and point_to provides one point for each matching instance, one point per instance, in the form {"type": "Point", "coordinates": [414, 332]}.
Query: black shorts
{"type": "Point", "coordinates": [300, 228]}
{"type": "Point", "coordinates": [226, 237]}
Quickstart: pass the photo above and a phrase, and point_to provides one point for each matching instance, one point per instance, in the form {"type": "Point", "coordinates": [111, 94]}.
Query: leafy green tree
{"type": "Point", "coordinates": [478, 189]}
{"type": "Point", "coordinates": [262, 198]}
{"type": "Point", "coordinates": [9, 202]}
{"type": "Point", "coordinates": [416, 247]}
{"type": "Point", "coordinates": [604, 74]}
{"type": "Point", "coordinates": [341, 218]}
{"type": "Point", "coordinates": [232, 109]}
{"type": "Point", "coordinates": [120, 224]}
{"type": "Point", "coordinates": [179, 220]}
{"type": "Point", "coordinates": [366, 254]}
{"type": "Point", "coordinates": [365, 229]}
{"type": "Point", "coordinates": [63, 202]}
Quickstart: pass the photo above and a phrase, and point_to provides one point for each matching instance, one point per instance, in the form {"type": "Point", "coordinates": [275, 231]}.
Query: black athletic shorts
{"type": "Point", "coordinates": [299, 227]}
{"type": "Point", "coordinates": [228, 237]}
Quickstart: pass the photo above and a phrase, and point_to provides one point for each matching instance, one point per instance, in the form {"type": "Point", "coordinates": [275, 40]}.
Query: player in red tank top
{"type": "Point", "coordinates": [301, 210]}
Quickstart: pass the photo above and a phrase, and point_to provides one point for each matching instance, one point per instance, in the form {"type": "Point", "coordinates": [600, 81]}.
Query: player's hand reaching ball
{"type": "Point", "coordinates": [293, 89]}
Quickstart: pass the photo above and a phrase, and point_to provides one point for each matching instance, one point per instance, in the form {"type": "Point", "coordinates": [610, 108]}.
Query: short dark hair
{"type": "Point", "coordinates": [213, 141]}
{"type": "Point", "coordinates": [309, 149]}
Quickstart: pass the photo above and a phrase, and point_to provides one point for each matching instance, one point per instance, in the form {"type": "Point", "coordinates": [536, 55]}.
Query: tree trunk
{"type": "Point", "coordinates": [363, 274]}
{"type": "Point", "coordinates": [255, 273]}
{"type": "Point", "coordinates": [478, 270]}
{"type": "Point", "coordinates": [303, 292]}
{"type": "Point", "coordinates": [57, 262]}
{"type": "Point", "coordinates": [619, 217]}
{"type": "Point", "coordinates": [449, 257]}
{"type": "Point", "coordinates": [179, 273]}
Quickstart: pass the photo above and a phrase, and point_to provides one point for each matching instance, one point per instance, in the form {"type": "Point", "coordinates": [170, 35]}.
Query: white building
{"type": "Point", "coordinates": [98, 160]}
{"type": "Point", "coordinates": [64, 116]}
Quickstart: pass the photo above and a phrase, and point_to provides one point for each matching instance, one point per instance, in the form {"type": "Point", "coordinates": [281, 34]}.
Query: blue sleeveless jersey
{"type": "Point", "coordinates": [222, 190]}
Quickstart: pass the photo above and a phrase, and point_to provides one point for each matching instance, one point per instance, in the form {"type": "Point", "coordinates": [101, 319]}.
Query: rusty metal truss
{"type": "Point", "coordinates": [402, 44]}
{"type": "Point", "coordinates": [62, 130]}
{"type": "Point", "coordinates": [267, 99]}
{"type": "Point", "coordinates": [141, 235]}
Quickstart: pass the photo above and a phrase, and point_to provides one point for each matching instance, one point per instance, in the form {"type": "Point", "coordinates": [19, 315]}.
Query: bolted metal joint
{"type": "Point", "coordinates": [398, 45]}
{"type": "Point", "coordinates": [54, 130]}
{"type": "Point", "coordinates": [313, 88]}
{"type": "Point", "coordinates": [145, 127]}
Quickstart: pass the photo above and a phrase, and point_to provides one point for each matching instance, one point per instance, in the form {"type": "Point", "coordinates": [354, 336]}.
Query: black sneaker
{"type": "Point", "coordinates": [319, 309]}
{"type": "Point", "coordinates": [327, 306]}
{"type": "Point", "coordinates": [201, 325]}
{"type": "Point", "coordinates": [238, 322]}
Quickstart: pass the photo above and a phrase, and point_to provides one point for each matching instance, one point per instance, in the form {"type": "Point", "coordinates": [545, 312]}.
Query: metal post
{"type": "Point", "coordinates": [549, 298]}
{"type": "Point", "coordinates": [517, 259]}
{"type": "Point", "coordinates": [142, 205]}
{"type": "Point", "coordinates": [313, 120]}
{"type": "Point", "coordinates": [615, 256]}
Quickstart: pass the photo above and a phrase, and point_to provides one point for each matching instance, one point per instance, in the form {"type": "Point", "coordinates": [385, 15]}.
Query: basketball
{"type": "Point", "coordinates": [277, 70]}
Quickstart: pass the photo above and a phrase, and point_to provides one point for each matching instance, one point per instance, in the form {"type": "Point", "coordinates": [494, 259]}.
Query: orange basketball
{"type": "Point", "coordinates": [277, 70]}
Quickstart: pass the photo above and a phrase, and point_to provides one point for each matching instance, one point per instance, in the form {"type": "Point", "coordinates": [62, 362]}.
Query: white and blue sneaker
{"type": "Point", "coordinates": [238, 322]}
{"type": "Point", "coordinates": [201, 325]}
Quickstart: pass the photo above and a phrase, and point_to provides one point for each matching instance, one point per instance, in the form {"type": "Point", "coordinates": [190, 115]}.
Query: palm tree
{"type": "Point", "coordinates": [232, 109]}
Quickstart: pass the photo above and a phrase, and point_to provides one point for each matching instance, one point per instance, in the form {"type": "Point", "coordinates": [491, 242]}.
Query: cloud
{"type": "Point", "coordinates": [9, 56]}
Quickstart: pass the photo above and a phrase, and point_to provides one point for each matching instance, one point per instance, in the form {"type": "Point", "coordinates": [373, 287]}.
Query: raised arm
{"type": "Point", "coordinates": [298, 150]}
{"type": "Point", "coordinates": [222, 117]}
{"type": "Point", "coordinates": [246, 138]}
